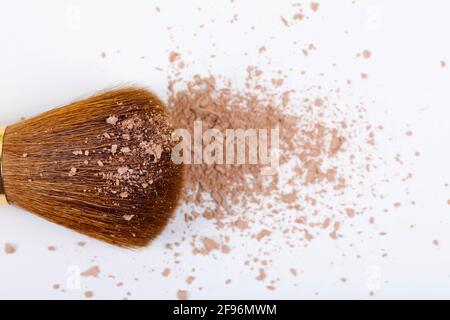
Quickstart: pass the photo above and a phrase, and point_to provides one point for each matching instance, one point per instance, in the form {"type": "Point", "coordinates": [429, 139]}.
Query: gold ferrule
{"type": "Point", "coordinates": [2, 186]}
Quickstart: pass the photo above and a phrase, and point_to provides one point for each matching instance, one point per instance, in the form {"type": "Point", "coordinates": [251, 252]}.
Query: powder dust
{"type": "Point", "coordinates": [327, 150]}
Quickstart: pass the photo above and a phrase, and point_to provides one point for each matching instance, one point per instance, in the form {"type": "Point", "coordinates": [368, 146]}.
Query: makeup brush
{"type": "Point", "coordinates": [100, 166]}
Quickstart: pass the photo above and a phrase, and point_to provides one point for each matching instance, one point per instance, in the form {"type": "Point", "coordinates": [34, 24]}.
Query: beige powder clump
{"type": "Point", "coordinates": [166, 272]}
{"type": "Point", "coordinates": [182, 295]}
{"type": "Point", "coordinates": [366, 54]}
{"type": "Point", "coordinates": [9, 248]}
{"type": "Point", "coordinates": [262, 234]}
{"type": "Point", "coordinates": [314, 6]}
{"type": "Point", "coordinates": [262, 275]}
{"type": "Point", "coordinates": [73, 172]}
{"type": "Point", "coordinates": [91, 272]}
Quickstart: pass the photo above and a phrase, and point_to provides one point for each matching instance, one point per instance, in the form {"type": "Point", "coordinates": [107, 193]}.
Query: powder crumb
{"type": "Point", "coordinates": [112, 120]}
{"type": "Point", "coordinates": [243, 224]}
{"type": "Point", "coordinates": [125, 150]}
{"type": "Point", "coordinates": [174, 56]}
{"type": "Point", "coordinates": [443, 64]}
{"type": "Point", "coordinates": [9, 248]}
{"type": "Point", "coordinates": [128, 217]}
{"type": "Point", "coordinates": [91, 272]}
{"type": "Point", "coordinates": [314, 6]}
{"type": "Point", "coordinates": [293, 271]}
{"type": "Point", "coordinates": [100, 163]}
{"type": "Point", "coordinates": [262, 234]}
{"type": "Point", "coordinates": [182, 295]}
{"type": "Point", "coordinates": [262, 275]}
{"type": "Point", "coordinates": [190, 279]}
{"type": "Point", "coordinates": [81, 243]}
{"type": "Point", "coordinates": [89, 294]}
{"type": "Point", "coordinates": [103, 55]}
{"type": "Point", "coordinates": [51, 248]}
{"type": "Point", "coordinates": [166, 272]}
{"type": "Point", "coordinates": [56, 286]}
{"type": "Point", "coordinates": [73, 171]}
{"type": "Point", "coordinates": [209, 245]}
{"type": "Point", "coordinates": [350, 212]}
{"type": "Point", "coordinates": [318, 102]}
{"type": "Point", "coordinates": [25, 155]}
{"type": "Point", "coordinates": [436, 242]}
{"type": "Point", "coordinates": [367, 54]}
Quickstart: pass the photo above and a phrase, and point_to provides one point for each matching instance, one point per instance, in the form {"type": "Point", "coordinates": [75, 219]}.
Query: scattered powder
{"type": "Point", "coordinates": [51, 248]}
{"type": "Point", "coordinates": [436, 242]}
{"type": "Point", "coordinates": [327, 151]}
{"type": "Point", "coordinates": [89, 294]}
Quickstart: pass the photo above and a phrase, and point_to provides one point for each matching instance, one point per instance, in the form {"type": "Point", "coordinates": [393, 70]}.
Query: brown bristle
{"type": "Point", "coordinates": [101, 166]}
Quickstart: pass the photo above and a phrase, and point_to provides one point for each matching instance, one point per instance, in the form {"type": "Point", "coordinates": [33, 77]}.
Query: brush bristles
{"type": "Point", "coordinates": [101, 166]}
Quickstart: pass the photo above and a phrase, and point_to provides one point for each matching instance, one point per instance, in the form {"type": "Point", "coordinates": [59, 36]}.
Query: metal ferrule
{"type": "Point", "coordinates": [2, 186]}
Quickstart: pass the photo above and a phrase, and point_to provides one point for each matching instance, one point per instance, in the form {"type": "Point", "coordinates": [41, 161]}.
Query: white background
{"type": "Point", "coordinates": [51, 54]}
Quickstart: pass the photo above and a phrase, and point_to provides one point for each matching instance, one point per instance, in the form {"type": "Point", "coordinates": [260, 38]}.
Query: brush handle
{"type": "Point", "coordinates": [2, 187]}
